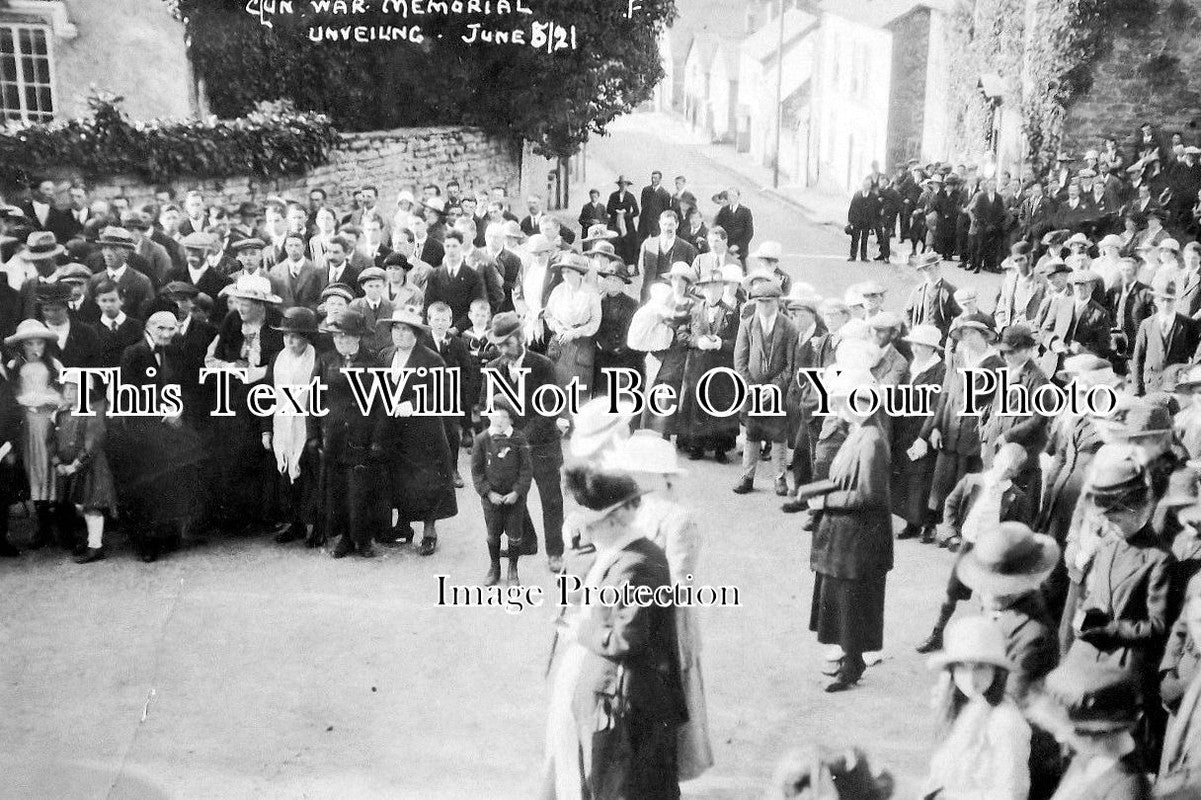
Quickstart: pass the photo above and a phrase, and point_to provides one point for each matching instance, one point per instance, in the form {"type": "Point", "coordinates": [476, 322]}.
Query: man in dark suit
{"type": "Point", "coordinates": [455, 283]}
{"type": "Point", "coordinates": [1035, 215]}
{"type": "Point", "coordinates": [338, 267]}
{"type": "Point", "coordinates": [593, 213]}
{"type": "Point", "coordinates": [737, 221]}
{"type": "Point", "coordinates": [654, 201]}
{"type": "Point", "coordinates": [933, 302]}
{"type": "Point", "coordinates": [295, 279]}
{"type": "Point", "coordinates": [43, 211]}
{"type": "Point", "coordinates": [1030, 431]}
{"type": "Point", "coordinates": [200, 269]}
{"type": "Point", "coordinates": [986, 214]}
{"type": "Point", "coordinates": [1164, 339]}
{"type": "Point", "coordinates": [543, 432]}
{"type": "Point", "coordinates": [195, 214]}
{"type": "Point", "coordinates": [682, 199]}
{"type": "Point", "coordinates": [1075, 325]}
{"type": "Point", "coordinates": [863, 217]}
{"type": "Point", "coordinates": [530, 224]}
{"type": "Point", "coordinates": [116, 249]}
{"type": "Point", "coordinates": [116, 329]}
{"type": "Point", "coordinates": [1128, 304]}
{"type": "Point", "coordinates": [661, 251]}
{"type": "Point", "coordinates": [507, 263]}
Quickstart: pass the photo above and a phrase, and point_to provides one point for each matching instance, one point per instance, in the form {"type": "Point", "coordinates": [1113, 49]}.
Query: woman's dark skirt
{"type": "Point", "coordinates": [848, 613]}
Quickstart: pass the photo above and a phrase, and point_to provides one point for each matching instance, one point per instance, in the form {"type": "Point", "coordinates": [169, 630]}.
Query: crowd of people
{"type": "Point", "coordinates": [1075, 532]}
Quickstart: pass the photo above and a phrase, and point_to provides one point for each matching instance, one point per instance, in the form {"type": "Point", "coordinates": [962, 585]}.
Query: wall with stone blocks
{"type": "Point", "coordinates": [390, 160]}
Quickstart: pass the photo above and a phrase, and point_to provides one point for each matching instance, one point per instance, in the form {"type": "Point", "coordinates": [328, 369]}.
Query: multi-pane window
{"type": "Point", "coordinates": [26, 87]}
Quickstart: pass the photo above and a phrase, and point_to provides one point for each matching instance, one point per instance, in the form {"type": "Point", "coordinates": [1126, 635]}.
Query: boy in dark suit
{"type": "Point", "coordinates": [479, 351]}
{"type": "Point", "coordinates": [117, 331]}
{"type": "Point", "coordinates": [501, 472]}
{"type": "Point", "coordinates": [454, 283]}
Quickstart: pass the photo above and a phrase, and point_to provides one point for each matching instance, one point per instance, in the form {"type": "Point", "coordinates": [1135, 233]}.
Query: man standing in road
{"type": "Point", "coordinates": [655, 200]}
{"type": "Point", "coordinates": [660, 252]}
{"type": "Point", "coordinates": [737, 221]}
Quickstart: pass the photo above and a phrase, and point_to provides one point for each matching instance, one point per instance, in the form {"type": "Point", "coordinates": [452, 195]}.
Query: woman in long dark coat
{"type": "Point", "coordinates": [623, 214]}
{"type": "Point", "coordinates": [852, 547]}
{"type": "Point", "coordinates": [712, 334]}
{"type": "Point", "coordinates": [351, 484]}
{"type": "Point", "coordinates": [674, 359]}
{"type": "Point", "coordinates": [418, 456]}
{"type": "Point", "coordinates": [912, 478]}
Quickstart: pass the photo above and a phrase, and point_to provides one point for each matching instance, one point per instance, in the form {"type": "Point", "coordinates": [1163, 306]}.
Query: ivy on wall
{"type": "Point", "coordinates": [273, 141]}
{"type": "Point", "coordinates": [1045, 50]}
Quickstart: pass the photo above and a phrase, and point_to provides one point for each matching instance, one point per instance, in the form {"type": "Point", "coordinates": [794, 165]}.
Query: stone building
{"type": "Point", "coordinates": [53, 53]}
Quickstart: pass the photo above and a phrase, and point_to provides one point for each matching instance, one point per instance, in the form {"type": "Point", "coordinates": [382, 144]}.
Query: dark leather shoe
{"type": "Point", "coordinates": [89, 555]}
{"type": "Point", "coordinates": [314, 540]}
{"type": "Point", "coordinates": [343, 548]}
{"type": "Point", "coordinates": [932, 643]}
{"type": "Point", "coordinates": [794, 506]}
{"type": "Point", "coordinates": [493, 576]}
{"type": "Point", "coordinates": [148, 553]}
{"type": "Point", "coordinates": [781, 486]}
{"type": "Point", "coordinates": [367, 551]}
{"type": "Point", "coordinates": [428, 546]}
{"type": "Point", "coordinates": [840, 685]}
{"type": "Point", "coordinates": [745, 486]}
{"type": "Point", "coordinates": [721, 458]}
{"type": "Point", "coordinates": [928, 534]}
{"type": "Point", "coordinates": [910, 531]}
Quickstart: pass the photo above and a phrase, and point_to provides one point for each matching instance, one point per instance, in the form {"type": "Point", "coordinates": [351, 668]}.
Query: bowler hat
{"type": "Point", "coordinates": [349, 322]}
{"type": "Point", "coordinates": [113, 236]}
{"type": "Point", "coordinates": [505, 326]}
{"type": "Point", "coordinates": [298, 319]}
{"type": "Point", "coordinates": [621, 181]}
{"type": "Point", "coordinates": [972, 640]}
{"type": "Point", "coordinates": [1008, 559]}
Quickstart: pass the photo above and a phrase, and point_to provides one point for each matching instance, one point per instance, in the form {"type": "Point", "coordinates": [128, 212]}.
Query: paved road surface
{"type": "Point", "coordinates": [246, 669]}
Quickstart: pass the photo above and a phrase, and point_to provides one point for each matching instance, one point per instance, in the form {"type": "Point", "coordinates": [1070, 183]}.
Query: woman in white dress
{"type": "Point", "coordinates": [669, 524]}
{"type": "Point", "coordinates": [573, 314]}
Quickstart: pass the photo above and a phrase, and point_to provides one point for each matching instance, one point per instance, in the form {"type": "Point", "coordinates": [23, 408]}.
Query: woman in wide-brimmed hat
{"type": "Point", "coordinates": [286, 433]}
{"type": "Point", "coordinates": [711, 334]}
{"type": "Point", "coordinates": [984, 741]}
{"type": "Point", "coordinates": [573, 314]}
{"type": "Point", "coordinates": [669, 524]}
{"type": "Point", "coordinates": [637, 750]}
{"type": "Point", "coordinates": [416, 452]}
{"type": "Point", "coordinates": [36, 377]}
{"type": "Point", "coordinates": [351, 487]}
{"type": "Point", "coordinates": [623, 212]}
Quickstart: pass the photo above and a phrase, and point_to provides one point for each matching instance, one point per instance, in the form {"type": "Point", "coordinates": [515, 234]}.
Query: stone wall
{"type": "Point", "coordinates": [390, 160]}
{"type": "Point", "coordinates": [1146, 74]}
{"type": "Point", "coordinates": [906, 102]}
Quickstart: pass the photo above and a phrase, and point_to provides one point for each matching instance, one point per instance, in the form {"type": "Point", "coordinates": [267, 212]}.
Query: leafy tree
{"type": "Point", "coordinates": [555, 100]}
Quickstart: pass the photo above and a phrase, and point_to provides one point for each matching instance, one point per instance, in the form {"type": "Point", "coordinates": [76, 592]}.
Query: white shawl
{"type": "Point", "coordinates": [289, 431]}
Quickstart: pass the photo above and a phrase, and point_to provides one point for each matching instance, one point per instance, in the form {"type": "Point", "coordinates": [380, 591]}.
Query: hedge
{"type": "Point", "coordinates": [273, 141]}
